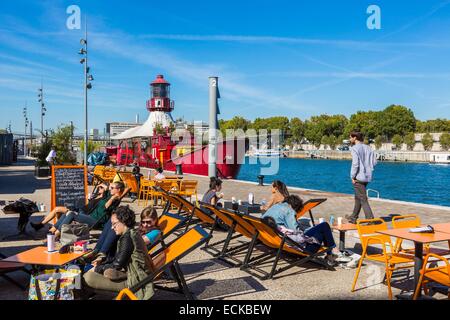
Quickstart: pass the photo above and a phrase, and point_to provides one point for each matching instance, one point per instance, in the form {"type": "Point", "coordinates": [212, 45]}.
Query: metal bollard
{"type": "Point", "coordinates": [261, 180]}
{"type": "Point", "coordinates": [179, 170]}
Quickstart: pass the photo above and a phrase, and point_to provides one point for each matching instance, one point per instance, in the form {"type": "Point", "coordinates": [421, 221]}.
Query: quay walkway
{"type": "Point", "coordinates": [209, 278]}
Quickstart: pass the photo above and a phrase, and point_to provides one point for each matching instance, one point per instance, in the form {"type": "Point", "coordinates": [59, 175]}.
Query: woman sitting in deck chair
{"type": "Point", "coordinates": [283, 215]}
{"type": "Point", "coordinates": [279, 194]}
{"type": "Point", "coordinates": [96, 212]}
{"type": "Point", "coordinates": [131, 263]}
{"type": "Point", "coordinates": [148, 229]}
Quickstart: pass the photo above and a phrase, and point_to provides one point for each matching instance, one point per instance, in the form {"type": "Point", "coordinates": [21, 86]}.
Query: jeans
{"type": "Point", "coordinates": [361, 200]}
{"type": "Point", "coordinates": [73, 216]}
{"type": "Point", "coordinates": [322, 233]}
{"type": "Point", "coordinates": [107, 242]}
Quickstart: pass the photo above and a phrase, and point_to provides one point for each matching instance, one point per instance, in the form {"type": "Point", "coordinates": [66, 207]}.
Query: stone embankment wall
{"type": "Point", "coordinates": [412, 156]}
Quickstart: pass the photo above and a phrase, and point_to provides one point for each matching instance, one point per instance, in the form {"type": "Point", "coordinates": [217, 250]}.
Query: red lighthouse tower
{"type": "Point", "coordinates": [160, 100]}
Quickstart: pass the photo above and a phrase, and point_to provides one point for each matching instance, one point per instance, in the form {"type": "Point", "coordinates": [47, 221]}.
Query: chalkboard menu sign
{"type": "Point", "coordinates": [69, 187]}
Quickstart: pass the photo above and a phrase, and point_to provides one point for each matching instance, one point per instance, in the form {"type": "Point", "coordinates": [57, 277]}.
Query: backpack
{"type": "Point", "coordinates": [25, 208]}
{"type": "Point", "coordinates": [73, 232]}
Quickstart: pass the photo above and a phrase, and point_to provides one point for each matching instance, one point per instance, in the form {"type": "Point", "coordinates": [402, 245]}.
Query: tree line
{"type": "Point", "coordinates": [396, 124]}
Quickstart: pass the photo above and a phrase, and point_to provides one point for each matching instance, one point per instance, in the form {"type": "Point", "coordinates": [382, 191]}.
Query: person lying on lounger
{"type": "Point", "coordinates": [283, 215]}
{"type": "Point", "coordinates": [96, 211]}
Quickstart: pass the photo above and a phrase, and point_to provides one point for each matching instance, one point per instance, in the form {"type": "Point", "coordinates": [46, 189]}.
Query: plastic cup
{"type": "Point", "coordinates": [339, 221]}
{"type": "Point", "coordinates": [321, 220]}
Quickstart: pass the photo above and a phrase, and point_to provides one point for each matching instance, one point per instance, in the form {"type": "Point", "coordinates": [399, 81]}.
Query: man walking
{"type": "Point", "coordinates": [363, 163]}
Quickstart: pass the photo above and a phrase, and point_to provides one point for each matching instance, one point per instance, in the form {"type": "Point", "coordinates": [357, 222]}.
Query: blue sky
{"type": "Point", "coordinates": [292, 58]}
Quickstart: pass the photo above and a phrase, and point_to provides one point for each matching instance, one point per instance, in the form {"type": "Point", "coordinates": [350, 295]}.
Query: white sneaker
{"type": "Point", "coordinates": [342, 258]}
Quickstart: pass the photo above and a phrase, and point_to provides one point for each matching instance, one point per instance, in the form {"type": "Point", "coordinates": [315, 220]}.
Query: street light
{"type": "Point", "coordinates": [43, 109]}
{"type": "Point", "coordinates": [87, 85]}
{"type": "Point", "coordinates": [26, 125]}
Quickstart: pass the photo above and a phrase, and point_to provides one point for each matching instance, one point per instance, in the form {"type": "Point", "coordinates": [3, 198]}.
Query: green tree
{"type": "Point", "coordinates": [397, 119]}
{"type": "Point", "coordinates": [366, 122]}
{"type": "Point", "coordinates": [92, 146]}
{"type": "Point", "coordinates": [234, 124]}
{"type": "Point", "coordinates": [325, 141]}
{"type": "Point", "coordinates": [436, 125]}
{"type": "Point", "coordinates": [296, 129]}
{"type": "Point", "coordinates": [444, 140]}
{"type": "Point", "coordinates": [427, 141]}
{"type": "Point", "coordinates": [378, 142]}
{"type": "Point", "coordinates": [333, 142]}
{"type": "Point", "coordinates": [397, 140]}
{"type": "Point", "coordinates": [324, 125]}
{"type": "Point", "coordinates": [410, 140]}
{"type": "Point", "coordinates": [62, 139]}
{"type": "Point", "coordinates": [159, 128]}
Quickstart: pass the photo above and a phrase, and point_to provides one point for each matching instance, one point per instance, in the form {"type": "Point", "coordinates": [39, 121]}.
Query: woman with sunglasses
{"type": "Point", "coordinates": [149, 225]}
{"type": "Point", "coordinates": [60, 212]}
{"type": "Point", "coordinates": [130, 265]}
{"type": "Point", "coordinates": [148, 229]}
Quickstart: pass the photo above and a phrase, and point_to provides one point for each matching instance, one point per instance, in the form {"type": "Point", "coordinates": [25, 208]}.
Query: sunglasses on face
{"type": "Point", "coordinates": [146, 222]}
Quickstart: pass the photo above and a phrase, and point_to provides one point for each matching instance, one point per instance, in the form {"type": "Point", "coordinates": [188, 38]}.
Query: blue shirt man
{"type": "Point", "coordinates": [361, 173]}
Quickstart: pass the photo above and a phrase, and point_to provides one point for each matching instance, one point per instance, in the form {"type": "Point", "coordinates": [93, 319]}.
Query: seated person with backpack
{"type": "Point", "coordinates": [311, 240]}
{"type": "Point", "coordinates": [131, 263]}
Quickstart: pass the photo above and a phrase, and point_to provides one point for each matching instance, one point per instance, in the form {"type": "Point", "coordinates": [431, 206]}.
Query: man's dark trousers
{"type": "Point", "coordinates": [361, 200]}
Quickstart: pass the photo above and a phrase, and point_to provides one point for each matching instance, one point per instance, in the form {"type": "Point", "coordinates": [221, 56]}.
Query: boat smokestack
{"type": "Point", "coordinates": [213, 90]}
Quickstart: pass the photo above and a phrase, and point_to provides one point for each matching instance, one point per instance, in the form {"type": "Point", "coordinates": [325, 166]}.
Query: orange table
{"type": "Point", "coordinates": [419, 240]}
{"type": "Point", "coordinates": [343, 228]}
{"type": "Point", "coordinates": [442, 227]}
{"type": "Point", "coordinates": [39, 256]}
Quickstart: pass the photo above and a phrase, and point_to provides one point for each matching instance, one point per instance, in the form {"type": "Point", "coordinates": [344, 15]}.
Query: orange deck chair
{"type": "Point", "coordinates": [307, 207]}
{"type": "Point", "coordinates": [279, 243]}
{"type": "Point", "coordinates": [172, 253]}
{"type": "Point", "coordinates": [367, 230]}
{"type": "Point", "coordinates": [237, 228]}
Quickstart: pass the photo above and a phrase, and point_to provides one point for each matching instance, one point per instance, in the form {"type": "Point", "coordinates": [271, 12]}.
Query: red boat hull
{"type": "Point", "coordinates": [230, 156]}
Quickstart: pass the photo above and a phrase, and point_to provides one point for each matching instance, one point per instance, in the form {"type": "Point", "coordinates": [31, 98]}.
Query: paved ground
{"type": "Point", "coordinates": [210, 278]}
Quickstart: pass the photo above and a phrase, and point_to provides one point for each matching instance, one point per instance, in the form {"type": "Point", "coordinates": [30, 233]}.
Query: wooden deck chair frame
{"type": "Point", "coordinates": [8, 267]}
{"type": "Point", "coordinates": [266, 234]}
{"type": "Point", "coordinates": [308, 206]}
{"type": "Point", "coordinates": [367, 229]}
{"type": "Point", "coordinates": [439, 274]}
{"type": "Point", "coordinates": [195, 214]}
{"type": "Point", "coordinates": [172, 266]}
{"type": "Point", "coordinates": [236, 230]}
{"type": "Point", "coordinates": [175, 227]}
{"type": "Point", "coordinates": [173, 202]}
{"type": "Point", "coordinates": [130, 181]}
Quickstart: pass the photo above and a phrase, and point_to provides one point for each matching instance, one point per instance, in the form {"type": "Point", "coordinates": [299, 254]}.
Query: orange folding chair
{"type": "Point", "coordinates": [439, 274]}
{"type": "Point", "coordinates": [367, 230]}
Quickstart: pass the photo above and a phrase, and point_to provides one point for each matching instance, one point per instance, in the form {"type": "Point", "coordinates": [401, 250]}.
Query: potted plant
{"type": "Point", "coordinates": [41, 166]}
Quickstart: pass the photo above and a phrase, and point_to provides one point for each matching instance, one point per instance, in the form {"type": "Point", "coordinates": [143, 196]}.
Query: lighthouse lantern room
{"type": "Point", "coordinates": [160, 100]}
